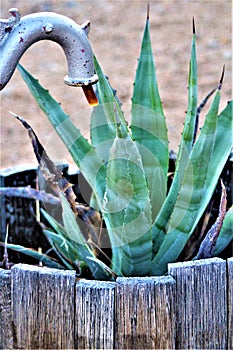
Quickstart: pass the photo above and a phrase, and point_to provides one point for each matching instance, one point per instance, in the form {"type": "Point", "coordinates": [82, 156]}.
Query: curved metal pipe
{"type": "Point", "coordinates": [18, 34]}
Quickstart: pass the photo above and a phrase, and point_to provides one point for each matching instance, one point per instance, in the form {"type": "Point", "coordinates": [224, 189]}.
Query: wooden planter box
{"type": "Point", "coordinates": [191, 308]}
{"type": "Point", "coordinates": [42, 308]}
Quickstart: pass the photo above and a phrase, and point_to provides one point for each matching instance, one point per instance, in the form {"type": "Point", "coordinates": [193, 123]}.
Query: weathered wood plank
{"type": "Point", "coordinates": [145, 316]}
{"type": "Point", "coordinates": [201, 299]}
{"type": "Point", "coordinates": [131, 313]}
{"type": "Point", "coordinates": [6, 332]}
{"type": "Point", "coordinates": [43, 307]}
{"type": "Point", "coordinates": [94, 319]}
{"type": "Point", "coordinates": [230, 302]}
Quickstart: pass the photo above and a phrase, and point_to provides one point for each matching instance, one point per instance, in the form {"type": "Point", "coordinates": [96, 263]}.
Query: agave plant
{"type": "Point", "coordinates": [126, 166]}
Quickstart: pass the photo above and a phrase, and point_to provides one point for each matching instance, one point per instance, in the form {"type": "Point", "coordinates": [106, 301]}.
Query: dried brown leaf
{"type": "Point", "coordinates": [209, 242]}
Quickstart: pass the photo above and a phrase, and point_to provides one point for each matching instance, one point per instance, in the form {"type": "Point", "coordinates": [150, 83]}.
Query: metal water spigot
{"type": "Point", "coordinates": [18, 34]}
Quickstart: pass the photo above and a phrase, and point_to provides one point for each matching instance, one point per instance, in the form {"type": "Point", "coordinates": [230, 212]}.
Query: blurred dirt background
{"type": "Point", "coordinates": [115, 36]}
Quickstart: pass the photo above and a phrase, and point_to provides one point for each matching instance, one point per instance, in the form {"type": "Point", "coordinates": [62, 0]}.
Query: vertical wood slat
{"type": "Point", "coordinates": [230, 302]}
{"type": "Point", "coordinates": [145, 315]}
{"type": "Point", "coordinates": [94, 316]}
{"type": "Point", "coordinates": [43, 307]}
{"type": "Point", "coordinates": [6, 334]}
{"type": "Point", "coordinates": [201, 300]}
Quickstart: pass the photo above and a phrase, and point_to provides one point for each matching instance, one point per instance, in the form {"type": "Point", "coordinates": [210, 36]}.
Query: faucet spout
{"type": "Point", "coordinates": [18, 34]}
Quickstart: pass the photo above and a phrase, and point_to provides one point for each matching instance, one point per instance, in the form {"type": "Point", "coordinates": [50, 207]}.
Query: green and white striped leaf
{"type": "Point", "coordinates": [160, 226]}
{"type": "Point", "coordinates": [148, 125]}
{"type": "Point", "coordinates": [127, 210]}
{"type": "Point", "coordinates": [222, 147]}
{"type": "Point", "coordinates": [191, 201]}
{"type": "Point", "coordinates": [107, 117]}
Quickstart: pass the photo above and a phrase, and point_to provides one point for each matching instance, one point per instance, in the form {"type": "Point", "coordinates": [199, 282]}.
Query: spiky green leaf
{"type": "Point", "coordinates": [222, 147]}
{"type": "Point", "coordinates": [148, 125]}
{"type": "Point", "coordinates": [80, 149]}
{"type": "Point", "coordinates": [107, 117]}
{"type": "Point", "coordinates": [75, 234]}
{"type": "Point", "coordinates": [191, 201]}
{"type": "Point", "coordinates": [45, 259]}
{"type": "Point", "coordinates": [185, 148]}
{"type": "Point", "coordinates": [61, 240]}
{"type": "Point", "coordinates": [61, 247]}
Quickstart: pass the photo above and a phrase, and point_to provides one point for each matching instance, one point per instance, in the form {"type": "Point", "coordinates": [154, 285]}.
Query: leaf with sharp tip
{"type": "Point", "coordinates": [45, 259]}
{"type": "Point", "coordinates": [62, 240]}
{"type": "Point", "coordinates": [82, 152]}
{"type": "Point", "coordinates": [148, 125]}
{"type": "Point", "coordinates": [185, 148]}
{"type": "Point", "coordinates": [61, 247]}
{"type": "Point", "coordinates": [74, 239]}
{"type": "Point", "coordinates": [108, 99]}
{"type": "Point", "coordinates": [195, 190]}
{"type": "Point", "coordinates": [75, 234]}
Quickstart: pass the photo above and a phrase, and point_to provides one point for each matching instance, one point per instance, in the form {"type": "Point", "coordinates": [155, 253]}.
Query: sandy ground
{"type": "Point", "coordinates": [115, 36]}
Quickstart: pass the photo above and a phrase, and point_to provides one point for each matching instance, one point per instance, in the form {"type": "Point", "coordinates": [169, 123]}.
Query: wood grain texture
{"type": "Point", "coordinates": [43, 307]}
{"type": "Point", "coordinates": [6, 332]}
{"type": "Point", "coordinates": [145, 313]}
{"type": "Point", "coordinates": [201, 299]}
{"type": "Point", "coordinates": [230, 302]}
{"type": "Point", "coordinates": [94, 318]}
